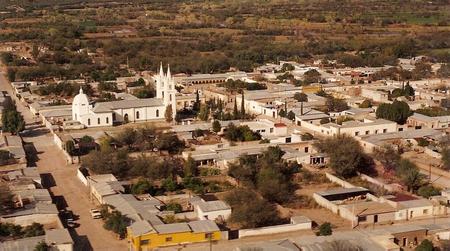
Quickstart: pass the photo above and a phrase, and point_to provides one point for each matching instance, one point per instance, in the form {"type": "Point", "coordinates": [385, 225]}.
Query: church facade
{"type": "Point", "coordinates": [124, 111]}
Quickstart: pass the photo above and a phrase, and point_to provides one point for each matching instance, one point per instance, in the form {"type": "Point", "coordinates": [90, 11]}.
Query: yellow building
{"type": "Point", "coordinates": [143, 236]}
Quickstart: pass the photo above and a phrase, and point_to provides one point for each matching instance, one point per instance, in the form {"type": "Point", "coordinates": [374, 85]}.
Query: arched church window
{"type": "Point", "coordinates": [98, 121]}
{"type": "Point", "coordinates": [89, 122]}
{"type": "Point", "coordinates": [137, 115]}
{"type": "Point", "coordinates": [157, 113]}
{"type": "Point", "coordinates": [107, 120]}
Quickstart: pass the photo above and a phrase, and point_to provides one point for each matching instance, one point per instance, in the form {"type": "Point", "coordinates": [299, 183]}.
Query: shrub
{"type": "Point", "coordinates": [325, 229]}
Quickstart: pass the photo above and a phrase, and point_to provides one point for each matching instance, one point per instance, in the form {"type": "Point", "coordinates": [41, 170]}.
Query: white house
{"type": "Point", "coordinates": [107, 113]}
{"type": "Point", "coordinates": [211, 210]}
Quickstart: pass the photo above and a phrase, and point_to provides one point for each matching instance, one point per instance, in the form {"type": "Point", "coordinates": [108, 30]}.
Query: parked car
{"type": "Point", "coordinates": [95, 213]}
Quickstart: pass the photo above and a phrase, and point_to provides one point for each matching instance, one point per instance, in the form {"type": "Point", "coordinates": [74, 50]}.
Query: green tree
{"type": "Point", "coordinates": [291, 115]}
{"type": "Point", "coordinates": [117, 223]}
{"type": "Point", "coordinates": [216, 127]}
{"type": "Point", "coordinates": [168, 114]}
{"type": "Point", "coordinates": [258, 213]}
{"type": "Point", "coordinates": [41, 246]}
{"type": "Point", "coordinates": [236, 114]}
{"type": "Point", "coordinates": [175, 207]}
{"type": "Point", "coordinates": [12, 120]}
{"type": "Point", "coordinates": [410, 174]}
{"type": "Point", "coordinates": [204, 112]}
{"type": "Point", "coordinates": [365, 104]}
{"type": "Point", "coordinates": [306, 136]}
{"type": "Point", "coordinates": [35, 229]}
{"type": "Point", "coordinates": [287, 67]}
{"type": "Point", "coordinates": [242, 105]}
{"type": "Point", "coordinates": [388, 156]}
{"type": "Point", "coordinates": [398, 111]}
{"type": "Point", "coordinates": [142, 186]}
{"type": "Point", "coordinates": [301, 97]}
{"type": "Point", "coordinates": [190, 167]}
{"type": "Point", "coordinates": [196, 106]}
{"type": "Point", "coordinates": [428, 191]}
{"type": "Point", "coordinates": [425, 245]}
{"type": "Point", "coordinates": [5, 198]}
{"type": "Point", "coordinates": [325, 229]}
{"type": "Point", "coordinates": [445, 157]}
{"type": "Point", "coordinates": [335, 104]}
{"type": "Point", "coordinates": [70, 147]}
{"type": "Point", "coordinates": [346, 154]}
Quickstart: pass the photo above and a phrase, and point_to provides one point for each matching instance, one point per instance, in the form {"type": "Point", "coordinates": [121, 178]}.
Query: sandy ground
{"type": "Point", "coordinates": [64, 186]}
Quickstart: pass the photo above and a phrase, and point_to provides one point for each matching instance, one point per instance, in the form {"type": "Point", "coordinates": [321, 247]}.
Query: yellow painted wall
{"type": "Point", "coordinates": [159, 240]}
{"type": "Point", "coordinates": [311, 89]}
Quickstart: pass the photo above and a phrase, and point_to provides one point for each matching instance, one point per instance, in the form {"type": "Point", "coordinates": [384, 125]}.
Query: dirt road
{"type": "Point", "coordinates": [63, 184]}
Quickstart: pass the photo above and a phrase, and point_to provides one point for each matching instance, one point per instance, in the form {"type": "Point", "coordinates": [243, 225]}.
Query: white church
{"type": "Point", "coordinates": [123, 111]}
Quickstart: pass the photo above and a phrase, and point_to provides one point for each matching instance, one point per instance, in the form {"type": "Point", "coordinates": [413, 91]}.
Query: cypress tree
{"type": "Point", "coordinates": [242, 106]}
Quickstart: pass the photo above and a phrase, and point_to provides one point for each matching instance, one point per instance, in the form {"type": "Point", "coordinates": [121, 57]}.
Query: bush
{"type": "Point", "coordinates": [117, 223]}
{"type": "Point", "coordinates": [175, 207]}
{"type": "Point", "coordinates": [428, 191]}
{"type": "Point", "coordinates": [325, 229]}
{"type": "Point", "coordinates": [425, 245]}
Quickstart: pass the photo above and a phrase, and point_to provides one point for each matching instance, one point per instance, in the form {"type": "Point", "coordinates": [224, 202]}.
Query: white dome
{"type": "Point", "coordinates": [81, 98]}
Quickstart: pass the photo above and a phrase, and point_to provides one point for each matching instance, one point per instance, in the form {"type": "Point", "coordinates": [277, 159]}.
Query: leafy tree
{"type": "Point", "coordinates": [240, 133]}
{"type": "Point", "coordinates": [410, 174]}
{"type": "Point", "coordinates": [282, 113]}
{"type": "Point", "coordinates": [169, 142]}
{"type": "Point", "coordinates": [301, 97]}
{"type": "Point", "coordinates": [325, 229]}
{"type": "Point", "coordinates": [87, 139]}
{"type": "Point", "coordinates": [291, 115]}
{"type": "Point", "coordinates": [425, 245]}
{"type": "Point", "coordinates": [311, 76]}
{"type": "Point", "coordinates": [35, 229]}
{"type": "Point", "coordinates": [273, 185]}
{"type": "Point", "coordinates": [175, 207]}
{"type": "Point", "coordinates": [388, 156]}
{"type": "Point", "coordinates": [306, 136]}
{"type": "Point", "coordinates": [287, 67]}
{"type": "Point", "coordinates": [428, 191]}
{"type": "Point", "coordinates": [127, 136]}
{"type": "Point", "coordinates": [258, 213]}
{"type": "Point", "coordinates": [398, 111]}
{"type": "Point", "coordinates": [12, 120]}
{"type": "Point", "coordinates": [335, 104]}
{"type": "Point", "coordinates": [190, 167]}
{"type": "Point", "coordinates": [142, 186]}
{"type": "Point", "coordinates": [194, 184]}
{"type": "Point", "coordinates": [346, 154]}
{"type": "Point", "coordinates": [197, 133]}
{"type": "Point", "coordinates": [365, 104]}
{"type": "Point", "coordinates": [216, 127]}
{"type": "Point", "coordinates": [168, 114]}
{"type": "Point", "coordinates": [169, 185]}
{"type": "Point", "coordinates": [117, 223]}
{"type": "Point", "coordinates": [41, 246]}
{"type": "Point", "coordinates": [70, 147]}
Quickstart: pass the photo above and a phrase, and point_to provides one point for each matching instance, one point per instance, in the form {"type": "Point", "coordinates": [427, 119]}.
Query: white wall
{"type": "Point", "coordinates": [274, 229]}
{"type": "Point", "coordinates": [214, 215]}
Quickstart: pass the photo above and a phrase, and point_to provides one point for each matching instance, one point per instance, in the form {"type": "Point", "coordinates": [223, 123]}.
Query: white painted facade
{"type": "Point", "coordinates": [107, 113]}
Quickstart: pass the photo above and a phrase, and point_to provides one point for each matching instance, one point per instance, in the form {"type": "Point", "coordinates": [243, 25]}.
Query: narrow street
{"type": "Point", "coordinates": [60, 178]}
